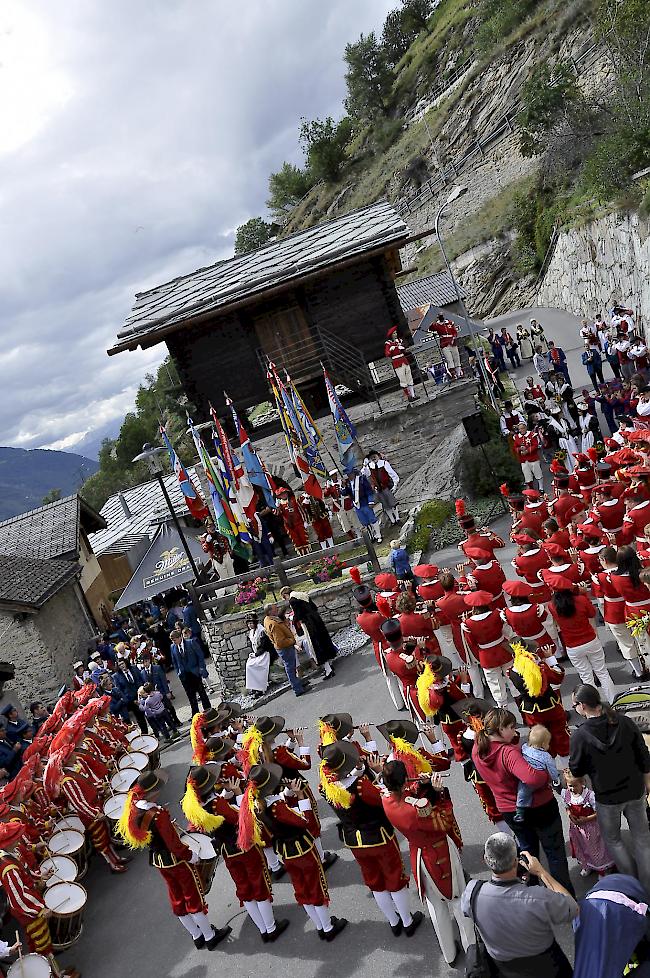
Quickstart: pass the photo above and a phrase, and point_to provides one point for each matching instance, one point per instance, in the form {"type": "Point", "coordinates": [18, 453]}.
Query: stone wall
{"type": "Point", "coordinates": [43, 646]}
{"type": "Point", "coordinates": [598, 263]}
{"type": "Point", "coordinates": [228, 640]}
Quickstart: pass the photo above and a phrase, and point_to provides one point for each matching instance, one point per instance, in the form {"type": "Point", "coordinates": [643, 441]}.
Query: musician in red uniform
{"type": "Point", "coordinates": [339, 504]}
{"type": "Point", "coordinates": [395, 351]}
{"type": "Point", "coordinates": [24, 900]}
{"type": "Point", "coordinates": [439, 693]}
{"type": "Point", "coordinates": [145, 824]}
{"type": "Point", "coordinates": [613, 610]}
{"type": "Point", "coordinates": [449, 612]}
{"type": "Point", "coordinates": [347, 784]}
{"type": "Point", "coordinates": [485, 640]}
{"type": "Point", "coordinates": [527, 446]}
{"type": "Point", "coordinates": [424, 814]}
{"type": "Point", "coordinates": [402, 737]}
{"type": "Point", "coordinates": [429, 588]}
{"type": "Point", "coordinates": [530, 560]}
{"type": "Point", "coordinates": [402, 660]}
{"type": "Point", "coordinates": [486, 574]}
{"type": "Point", "coordinates": [590, 542]}
{"type": "Point", "coordinates": [415, 625]}
{"type": "Point", "coordinates": [537, 681]}
{"type": "Point", "coordinates": [567, 506]}
{"type": "Point", "coordinates": [530, 621]}
{"type": "Point", "coordinates": [210, 804]}
{"type": "Point", "coordinates": [447, 334]}
{"type": "Point", "coordinates": [562, 568]}
{"type": "Point", "coordinates": [63, 779]}
{"type": "Point", "coordinates": [293, 518]}
{"type": "Point", "coordinates": [478, 539]}
{"type": "Point", "coordinates": [553, 533]}
{"type": "Point", "coordinates": [585, 473]}
{"type": "Point", "coordinates": [609, 511]}
{"type": "Point", "coordinates": [289, 821]}
{"type": "Point", "coordinates": [626, 581]}
{"type": "Point", "coordinates": [370, 620]}
{"type": "Point", "coordinates": [636, 518]}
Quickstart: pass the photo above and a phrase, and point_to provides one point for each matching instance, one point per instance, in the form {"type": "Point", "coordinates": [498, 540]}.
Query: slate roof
{"type": "Point", "coordinates": [281, 261]}
{"type": "Point", "coordinates": [437, 290]}
{"type": "Point", "coordinates": [27, 582]}
{"type": "Point", "coordinates": [146, 505]}
{"type": "Point", "coordinates": [51, 531]}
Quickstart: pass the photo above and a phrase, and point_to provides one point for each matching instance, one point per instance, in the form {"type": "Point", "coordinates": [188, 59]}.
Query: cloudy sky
{"type": "Point", "coordinates": [134, 138]}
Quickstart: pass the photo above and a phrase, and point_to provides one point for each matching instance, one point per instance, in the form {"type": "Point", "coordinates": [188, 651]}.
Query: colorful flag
{"type": "Point", "coordinates": [309, 434]}
{"type": "Point", "coordinates": [344, 429]}
{"type": "Point", "coordinates": [240, 491]}
{"type": "Point", "coordinates": [254, 466]}
{"type": "Point", "coordinates": [193, 498]}
{"type": "Point", "coordinates": [226, 521]}
{"type": "Point", "coordinates": [303, 452]}
{"type": "Point", "coordinates": [224, 445]}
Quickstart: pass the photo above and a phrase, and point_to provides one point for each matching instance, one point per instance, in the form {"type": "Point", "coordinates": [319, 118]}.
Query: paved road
{"type": "Point", "coordinates": [129, 928]}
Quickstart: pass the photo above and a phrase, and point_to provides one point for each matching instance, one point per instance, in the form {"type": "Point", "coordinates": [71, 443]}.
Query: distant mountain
{"type": "Point", "coordinates": [27, 476]}
{"type": "Point", "coordinates": [91, 443]}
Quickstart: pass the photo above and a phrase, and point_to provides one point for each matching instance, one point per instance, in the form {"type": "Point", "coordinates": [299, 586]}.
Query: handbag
{"type": "Point", "coordinates": [478, 963]}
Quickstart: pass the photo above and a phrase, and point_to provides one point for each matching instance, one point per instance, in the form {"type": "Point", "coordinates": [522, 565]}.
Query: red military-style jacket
{"type": "Point", "coordinates": [611, 515]}
{"type": "Point", "coordinates": [483, 635]}
{"type": "Point", "coordinates": [482, 541]}
{"type": "Point", "coordinates": [613, 602]}
{"type": "Point", "coordinates": [528, 566]}
{"type": "Point", "coordinates": [414, 625]}
{"type": "Point", "coordinates": [450, 609]}
{"type": "Point", "coordinates": [635, 522]}
{"type": "Point", "coordinates": [565, 508]}
{"type": "Point", "coordinates": [529, 621]}
{"type": "Point", "coordinates": [490, 578]}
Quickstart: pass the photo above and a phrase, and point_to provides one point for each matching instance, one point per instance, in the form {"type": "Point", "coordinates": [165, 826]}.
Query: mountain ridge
{"type": "Point", "coordinates": [27, 475]}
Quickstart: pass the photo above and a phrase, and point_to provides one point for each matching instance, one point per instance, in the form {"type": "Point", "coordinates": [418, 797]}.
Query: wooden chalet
{"type": "Point", "coordinates": [324, 295]}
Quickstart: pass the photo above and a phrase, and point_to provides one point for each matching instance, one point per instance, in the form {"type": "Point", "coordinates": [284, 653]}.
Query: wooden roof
{"type": "Point", "coordinates": [274, 267]}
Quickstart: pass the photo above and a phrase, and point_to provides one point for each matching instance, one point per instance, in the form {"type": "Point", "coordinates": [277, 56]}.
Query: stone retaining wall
{"type": "Point", "coordinates": [228, 640]}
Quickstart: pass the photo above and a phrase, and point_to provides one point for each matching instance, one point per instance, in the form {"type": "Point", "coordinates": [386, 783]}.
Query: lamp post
{"type": "Point", "coordinates": [151, 457]}
{"type": "Point", "coordinates": [457, 192]}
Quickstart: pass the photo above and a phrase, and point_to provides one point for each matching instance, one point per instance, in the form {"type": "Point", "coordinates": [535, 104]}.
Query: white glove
{"type": "Point", "coordinates": [195, 858]}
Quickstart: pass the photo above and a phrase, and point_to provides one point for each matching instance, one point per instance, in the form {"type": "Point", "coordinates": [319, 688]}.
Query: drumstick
{"type": "Point", "coordinates": [20, 955]}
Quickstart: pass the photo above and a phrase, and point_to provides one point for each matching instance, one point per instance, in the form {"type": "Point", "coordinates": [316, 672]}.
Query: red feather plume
{"type": "Point", "coordinates": [383, 606]}
{"type": "Point", "coordinates": [593, 454]}
{"type": "Point", "coordinates": [355, 574]}
{"type": "Point", "coordinates": [503, 489]}
{"type": "Point", "coordinates": [460, 507]}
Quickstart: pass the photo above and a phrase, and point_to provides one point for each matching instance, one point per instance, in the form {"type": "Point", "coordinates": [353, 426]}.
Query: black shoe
{"type": "Point", "coordinates": [321, 935]}
{"type": "Point", "coordinates": [330, 675]}
{"type": "Point", "coordinates": [277, 874]}
{"type": "Point", "coordinates": [338, 924]}
{"type": "Point", "coordinates": [218, 935]}
{"type": "Point", "coordinates": [418, 917]}
{"type": "Point", "coordinates": [329, 859]}
{"type": "Point", "coordinates": [280, 927]}
{"type": "Point", "coordinates": [397, 928]}
{"type": "Point", "coordinates": [199, 942]}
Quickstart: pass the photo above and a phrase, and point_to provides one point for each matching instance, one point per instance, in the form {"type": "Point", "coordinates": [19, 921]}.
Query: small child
{"type": "Point", "coordinates": [152, 704]}
{"type": "Point", "coordinates": [587, 844]}
{"type": "Point", "coordinates": [399, 561]}
{"type": "Point", "coordinates": [537, 755]}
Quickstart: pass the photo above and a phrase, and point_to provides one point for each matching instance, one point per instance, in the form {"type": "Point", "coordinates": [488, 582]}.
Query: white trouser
{"type": "Point", "coordinates": [344, 516]}
{"type": "Point", "coordinates": [589, 660]}
{"type": "Point", "coordinates": [452, 357]}
{"type": "Point", "coordinates": [531, 471]}
{"type": "Point", "coordinates": [446, 916]}
{"type": "Point", "coordinates": [475, 677]}
{"type": "Point", "coordinates": [395, 690]}
{"type": "Point", "coordinates": [624, 640]}
{"type": "Point", "coordinates": [404, 375]}
{"type": "Point", "coordinates": [551, 628]}
{"type": "Point", "coordinates": [499, 684]}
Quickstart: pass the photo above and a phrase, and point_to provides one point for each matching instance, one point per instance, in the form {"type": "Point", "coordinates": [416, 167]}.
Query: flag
{"type": "Point", "coordinates": [240, 491]}
{"type": "Point", "coordinates": [309, 434]}
{"type": "Point", "coordinates": [303, 452]}
{"type": "Point", "coordinates": [344, 429]}
{"type": "Point", "coordinates": [224, 446]}
{"type": "Point", "coordinates": [193, 498]}
{"type": "Point", "coordinates": [225, 519]}
{"type": "Point", "coordinates": [254, 466]}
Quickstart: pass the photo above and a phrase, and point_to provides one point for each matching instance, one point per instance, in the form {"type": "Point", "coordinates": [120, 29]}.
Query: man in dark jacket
{"type": "Point", "coordinates": [610, 749]}
{"type": "Point", "coordinates": [126, 682]}
{"type": "Point", "coordinates": [189, 664]}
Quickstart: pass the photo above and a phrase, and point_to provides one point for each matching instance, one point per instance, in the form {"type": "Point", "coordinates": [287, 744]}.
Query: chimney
{"type": "Point", "coordinates": [125, 506]}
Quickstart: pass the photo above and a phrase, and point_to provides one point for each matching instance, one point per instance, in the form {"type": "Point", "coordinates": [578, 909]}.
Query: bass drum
{"type": "Point", "coordinates": [67, 901]}
{"type": "Point", "coordinates": [30, 966]}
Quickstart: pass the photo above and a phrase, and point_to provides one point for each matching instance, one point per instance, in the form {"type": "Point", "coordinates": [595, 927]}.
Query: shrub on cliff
{"type": "Point", "coordinates": [481, 479]}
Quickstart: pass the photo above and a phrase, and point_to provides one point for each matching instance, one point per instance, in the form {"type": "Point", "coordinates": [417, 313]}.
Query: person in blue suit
{"type": "Point", "coordinates": [188, 661]}
{"type": "Point", "coordinates": [155, 674]}
{"type": "Point", "coordinates": [126, 682]}
{"type": "Point", "coordinates": [10, 756]}
{"type": "Point", "coordinates": [17, 731]}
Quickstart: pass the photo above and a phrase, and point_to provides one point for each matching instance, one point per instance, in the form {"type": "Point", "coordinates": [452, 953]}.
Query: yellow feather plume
{"type": "Point", "coordinates": [327, 733]}
{"type": "Point", "coordinates": [419, 762]}
{"type": "Point", "coordinates": [127, 826]}
{"type": "Point", "coordinates": [252, 741]}
{"type": "Point", "coordinates": [528, 669]}
{"type": "Point", "coordinates": [195, 730]}
{"type": "Point", "coordinates": [425, 681]}
{"type": "Point", "coordinates": [334, 792]}
{"type": "Point", "coordinates": [196, 814]}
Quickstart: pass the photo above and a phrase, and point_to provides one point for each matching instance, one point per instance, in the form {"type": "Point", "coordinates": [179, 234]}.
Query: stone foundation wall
{"type": "Point", "coordinates": [228, 640]}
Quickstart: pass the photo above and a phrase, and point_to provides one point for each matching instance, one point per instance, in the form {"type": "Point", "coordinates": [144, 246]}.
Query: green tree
{"type": "Point", "coordinates": [324, 144]}
{"type": "Point", "coordinates": [286, 188]}
{"type": "Point", "coordinates": [252, 235]}
{"type": "Point", "coordinates": [368, 79]}
{"type": "Point", "coordinates": [394, 41]}
{"type": "Point", "coordinates": [52, 496]}
{"type": "Point", "coordinates": [624, 27]}
{"type": "Point", "coordinates": [415, 16]}
{"type": "Point", "coordinates": [549, 98]}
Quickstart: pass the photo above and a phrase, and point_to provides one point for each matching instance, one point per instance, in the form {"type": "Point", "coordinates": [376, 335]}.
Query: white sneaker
{"type": "Point", "coordinates": [585, 871]}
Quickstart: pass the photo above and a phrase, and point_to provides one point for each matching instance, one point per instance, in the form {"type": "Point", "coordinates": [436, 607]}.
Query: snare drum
{"type": "Point", "coordinates": [70, 843]}
{"type": "Point", "coordinates": [113, 808]}
{"type": "Point", "coordinates": [135, 759]}
{"type": "Point", "coordinates": [148, 746]}
{"type": "Point", "coordinates": [69, 822]}
{"type": "Point", "coordinates": [67, 901]}
{"type": "Point", "coordinates": [122, 780]}
{"type": "Point", "coordinates": [206, 868]}
{"type": "Point", "coordinates": [132, 734]}
{"type": "Point", "coordinates": [63, 869]}
{"type": "Point", "coordinates": [30, 966]}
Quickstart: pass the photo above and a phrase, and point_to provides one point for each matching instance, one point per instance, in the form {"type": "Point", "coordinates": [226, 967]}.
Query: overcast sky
{"type": "Point", "coordinates": [135, 136]}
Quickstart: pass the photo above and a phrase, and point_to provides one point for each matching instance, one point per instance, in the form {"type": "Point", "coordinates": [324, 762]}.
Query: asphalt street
{"type": "Point", "coordinates": [128, 926]}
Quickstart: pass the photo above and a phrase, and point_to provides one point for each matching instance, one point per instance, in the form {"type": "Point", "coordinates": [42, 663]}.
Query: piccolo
{"type": "Point", "coordinates": [440, 774]}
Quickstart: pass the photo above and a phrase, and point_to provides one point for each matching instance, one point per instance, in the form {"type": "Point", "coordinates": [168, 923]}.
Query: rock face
{"type": "Point", "coordinates": [489, 280]}
{"type": "Point", "coordinates": [598, 264]}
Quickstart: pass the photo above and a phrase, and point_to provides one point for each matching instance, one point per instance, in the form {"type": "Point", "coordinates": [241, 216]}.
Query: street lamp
{"type": "Point", "coordinates": [455, 193]}
{"type": "Point", "coordinates": [151, 457]}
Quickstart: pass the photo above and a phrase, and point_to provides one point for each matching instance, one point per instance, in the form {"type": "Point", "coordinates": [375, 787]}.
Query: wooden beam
{"type": "Point", "coordinates": [407, 271]}
{"type": "Point", "coordinates": [419, 235]}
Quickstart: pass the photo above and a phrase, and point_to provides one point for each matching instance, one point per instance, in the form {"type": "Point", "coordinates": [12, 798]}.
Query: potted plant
{"type": "Point", "coordinates": [250, 592]}
{"type": "Point", "coordinates": [325, 569]}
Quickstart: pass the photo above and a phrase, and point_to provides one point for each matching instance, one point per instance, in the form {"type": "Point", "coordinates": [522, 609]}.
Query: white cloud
{"type": "Point", "coordinates": [137, 137]}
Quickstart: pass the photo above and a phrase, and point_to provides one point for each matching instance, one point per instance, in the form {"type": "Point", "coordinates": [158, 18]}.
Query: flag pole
{"type": "Point", "coordinates": [355, 440]}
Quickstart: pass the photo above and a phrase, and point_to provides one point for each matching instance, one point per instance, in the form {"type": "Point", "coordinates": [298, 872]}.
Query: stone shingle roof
{"type": "Point", "coordinates": [27, 582]}
{"type": "Point", "coordinates": [279, 262]}
{"type": "Point", "coordinates": [50, 531]}
{"type": "Point", "coordinates": [437, 290]}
